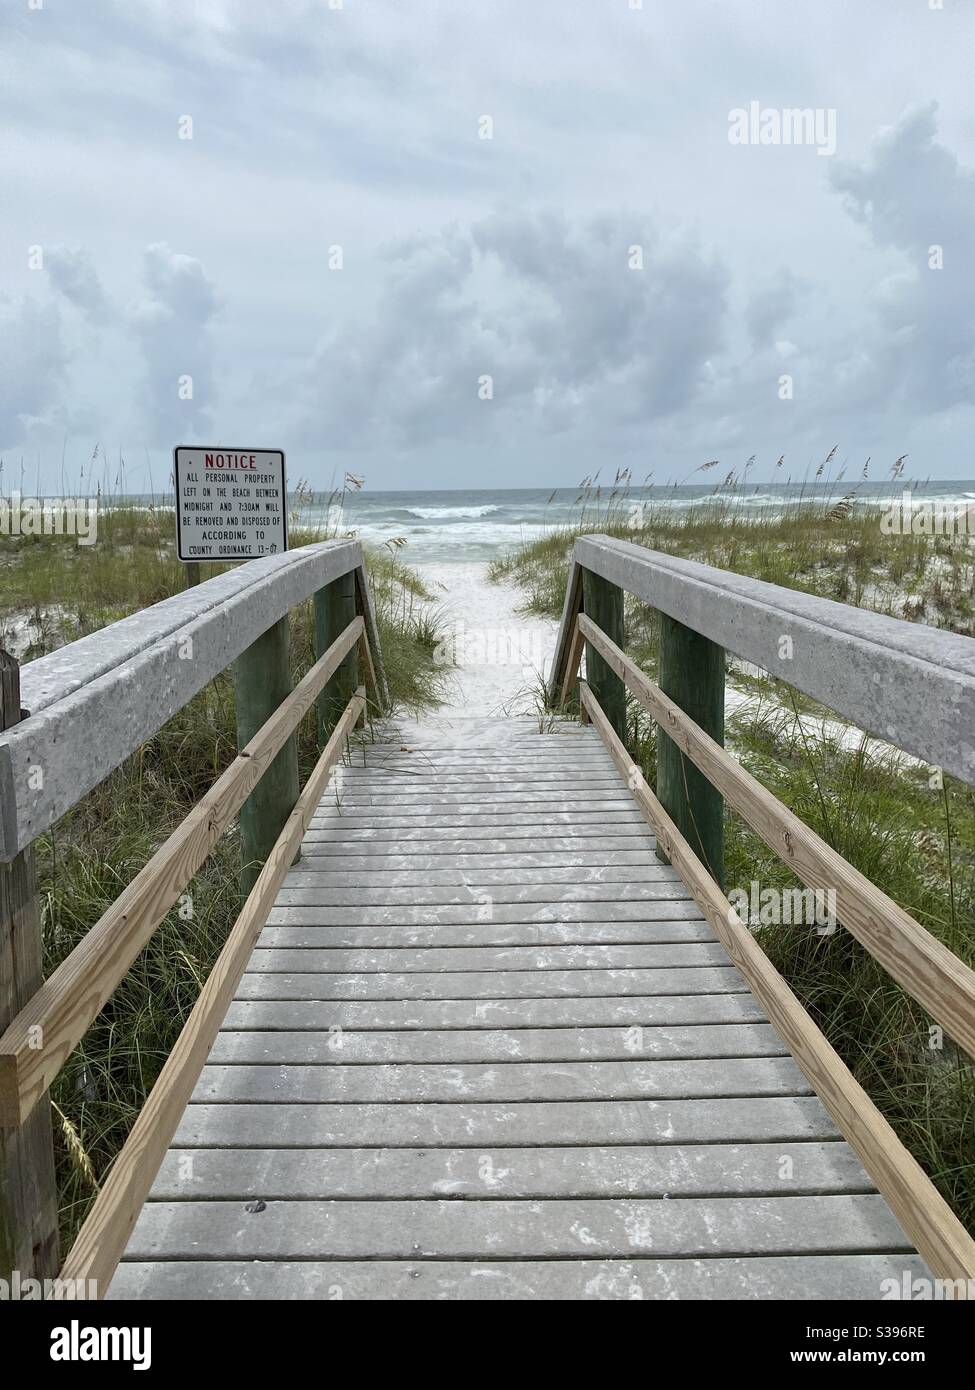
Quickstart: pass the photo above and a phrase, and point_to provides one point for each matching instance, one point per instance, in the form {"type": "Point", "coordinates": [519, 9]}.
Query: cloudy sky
{"type": "Point", "coordinates": [457, 244]}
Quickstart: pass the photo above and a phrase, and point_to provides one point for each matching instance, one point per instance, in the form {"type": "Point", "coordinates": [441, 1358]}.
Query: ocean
{"type": "Point", "coordinates": [477, 525]}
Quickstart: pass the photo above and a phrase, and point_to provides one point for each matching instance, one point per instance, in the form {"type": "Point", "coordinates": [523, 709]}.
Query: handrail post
{"type": "Point", "coordinates": [603, 603]}
{"type": "Point", "coordinates": [28, 1188]}
{"type": "Point", "coordinates": [262, 679]}
{"type": "Point", "coordinates": [691, 671]}
{"type": "Point", "coordinates": [335, 608]}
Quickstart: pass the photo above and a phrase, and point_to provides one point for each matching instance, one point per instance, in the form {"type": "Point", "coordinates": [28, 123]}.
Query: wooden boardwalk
{"type": "Point", "coordinates": [488, 1047]}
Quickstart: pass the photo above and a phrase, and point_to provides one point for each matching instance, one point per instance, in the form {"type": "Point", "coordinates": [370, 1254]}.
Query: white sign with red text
{"type": "Point", "coordinates": [231, 504]}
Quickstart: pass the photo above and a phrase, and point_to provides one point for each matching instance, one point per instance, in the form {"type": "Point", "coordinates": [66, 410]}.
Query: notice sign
{"type": "Point", "coordinates": [231, 504]}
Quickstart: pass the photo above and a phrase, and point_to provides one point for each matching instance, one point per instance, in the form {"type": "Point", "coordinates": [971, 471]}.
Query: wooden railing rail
{"type": "Point", "coordinates": [939, 1236]}
{"type": "Point", "coordinates": [106, 1230]}
{"type": "Point", "coordinates": [87, 707]}
{"type": "Point", "coordinates": [40, 1039]}
{"type": "Point", "coordinates": [906, 683]}
{"type": "Point", "coordinates": [94, 702]}
{"type": "Point", "coordinates": [921, 965]}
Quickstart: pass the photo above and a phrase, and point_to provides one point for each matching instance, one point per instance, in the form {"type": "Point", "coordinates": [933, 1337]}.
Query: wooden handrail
{"type": "Point", "coordinates": [937, 1233]}
{"type": "Point", "coordinates": [921, 965]}
{"type": "Point", "coordinates": [95, 701]}
{"type": "Point", "coordinates": [904, 682]}
{"type": "Point", "coordinates": [106, 1230]}
{"type": "Point", "coordinates": [67, 1004]}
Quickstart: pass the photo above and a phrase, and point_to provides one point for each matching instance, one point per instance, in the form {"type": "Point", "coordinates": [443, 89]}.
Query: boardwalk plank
{"type": "Point", "coordinates": [493, 984]}
{"type": "Point", "coordinates": [497, 1045]}
{"type": "Point", "coordinates": [665, 1011]}
{"type": "Point", "coordinates": [551, 894]}
{"type": "Point", "coordinates": [635, 1171]}
{"type": "Point", "coordinates": [799, 1277]}
{"type": "Point", "coordinates": [537, 1081]}
{"type": "Point", "coordinates": [395, 934]}
{"type": "Point", "coordinates": [335, 960]}
{"type": "Point", "coordinates": [488, 1047]}
{"type": "Point", "coordinates": [508, 1124]}
{"type": "Point", "coordinates": [541, 1229]}
{"type": "Point", "coordinates": [333, 880]}
{"type": "Point", "coordinates": [457, 914]}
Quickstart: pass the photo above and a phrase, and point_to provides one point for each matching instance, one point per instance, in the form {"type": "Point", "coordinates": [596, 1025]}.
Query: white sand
{"type": "Point", "coordinates": [501, 656]}
{"type": "Point", "coordinates": [496, 656]}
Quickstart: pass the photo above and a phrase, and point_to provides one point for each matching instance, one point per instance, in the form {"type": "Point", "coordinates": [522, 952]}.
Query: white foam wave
{"type": "Point", "coordinates": [436, 513]}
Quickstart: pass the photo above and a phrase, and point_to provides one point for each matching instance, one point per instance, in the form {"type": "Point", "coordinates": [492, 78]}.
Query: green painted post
{"type": "Point", "coordinates": [28, 1187]}
{"type": "Point", "coordinates": [262, 679]}
{"type": "Point", "coordinates": [602, 602]}
{"type": "Point", "coordinates": [691, 672]}
{"type": "Point", "coordinates": [334, 610]}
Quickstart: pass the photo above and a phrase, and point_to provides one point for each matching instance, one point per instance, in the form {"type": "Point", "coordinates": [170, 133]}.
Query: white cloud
{"type": "Point", "coordinates": [172, 324]}
{"type": "Point", "coordinates": [463, 257]}
{"type": "Point", "coordinates": [32, 362]}
{"type": "Point", "coordinates": [73, 273]}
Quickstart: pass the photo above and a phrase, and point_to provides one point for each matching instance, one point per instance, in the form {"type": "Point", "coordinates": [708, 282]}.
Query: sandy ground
{"type": "Point", "coordinates": [496, 656]}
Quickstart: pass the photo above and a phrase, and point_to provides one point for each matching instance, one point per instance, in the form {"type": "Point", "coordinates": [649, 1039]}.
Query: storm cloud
{"type": "Point", "coordinates": [448, 245]}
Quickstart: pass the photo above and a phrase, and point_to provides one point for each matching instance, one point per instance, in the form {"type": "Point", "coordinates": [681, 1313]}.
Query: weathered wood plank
{"type": "Point", "coordinates": [614, 849]}
{"type": "Point", "coordinates": [548, 1229]}
{"type": "Point", "coordinates": [356, 781]}
{"type": "Point", "coordinates": [666, 909]}
{"type": "Point", "coordinates": [490, 934]}
{"type": "Point", "coordinates": [335, 881]}
{"type": "Point", "coordinates": [564, 797]}
{"type": "Point", "coordinates": [278, 1046]}
{"type": "Point", "coordinates": [473, 1125]}
{"type": "Point", "coordinates": [636, 1171]}
{"type": "Point", "coordinates": [799, 1277]}
{"type": "Point", "coordinates": [550, 894]}
{"type": "Point", "coordinates": [476, 1014]}
{"type": "Point", "coordinates": [538, 1081]}
{"type": "Point", "coordinates": [494, 984]}
{"type": "Point", "coordinates": [377, 862]}
{"type": "Point", "coordinates": [341, 838]}
{"type": "Point", "coordinates": [587, 821]}
{"type": "Point", "coordinates": [406, 959]}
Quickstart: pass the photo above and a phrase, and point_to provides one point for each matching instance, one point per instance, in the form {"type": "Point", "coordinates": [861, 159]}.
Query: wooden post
{"type": "Point", "coordinates": [262, 679]}
{"type": "Point", "coordinates": [691, 671]}
{"type": "Point", "coordinates": [28, 1190]}
{"type": "Point", "coordinates": [603, 603]}
{"type": "Point", "coordinates": [192, 573]}
{"type": "Point", "coordinates": [335, 608]}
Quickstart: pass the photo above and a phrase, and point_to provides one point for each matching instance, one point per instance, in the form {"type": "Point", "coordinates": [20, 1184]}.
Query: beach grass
{"type": "Point", "coordinates": [54, 591]}
{"type": "Point", "coordinates": [906, 827]}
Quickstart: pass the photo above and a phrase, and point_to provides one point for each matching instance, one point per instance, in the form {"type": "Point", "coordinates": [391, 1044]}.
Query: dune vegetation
{"type": "Point", "coordinates": [53, 591]}
{"type": "Point", "coordinates": [907, 827]}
